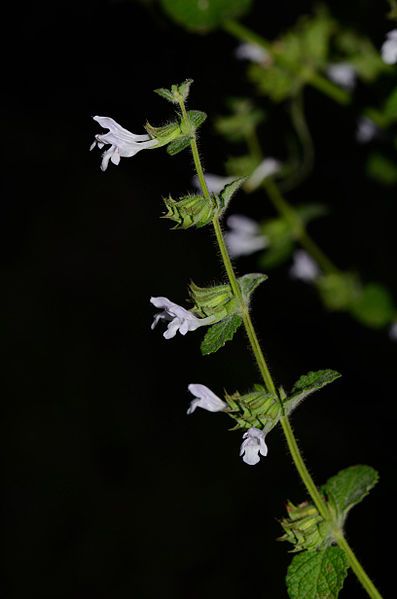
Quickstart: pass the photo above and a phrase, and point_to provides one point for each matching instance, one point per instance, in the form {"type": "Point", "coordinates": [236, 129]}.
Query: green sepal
{"type": "Point", "coordinates": [196, 118]}
{"type": "Point", "coordinates": [258, 409]}
{"type": "Point", "coordinates": [217, 300]}
{"type": "Point", "coordinates": [178, 92]}
{"type": "Point", "coordinates": [249, 282]}
{"type": "Point", "coordinates": [308, 384]}
{"type": "Point", "coordinates": [165, 134]}
{"type": "Point", "coordinates": [180, 144]}
{"type": "Point", "coordinates": [339, 290]}
{"type": "Point", "coordinates": [191, 210]}
{"type": "Point", "coordinates": [305, 528]}
{"type": "Point", "coordinates": [347, 488]}
{"type": "Point", "coordinates": [317, 574]}
{"type": "Point", "coordinates": [218, 334]}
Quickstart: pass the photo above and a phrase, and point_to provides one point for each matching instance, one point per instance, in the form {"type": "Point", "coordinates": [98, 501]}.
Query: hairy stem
{"type": "Point", "coordinates": [293, 447]}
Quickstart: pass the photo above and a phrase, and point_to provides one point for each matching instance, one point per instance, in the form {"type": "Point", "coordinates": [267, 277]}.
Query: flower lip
{"type": "Point", "coordinates": [204, 398]}
{"type": "Point", "coordinates": [253, 444]}
{"type": "Point", "coordinates": [178, 318]}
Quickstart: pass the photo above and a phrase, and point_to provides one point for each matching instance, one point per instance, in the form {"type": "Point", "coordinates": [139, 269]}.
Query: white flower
{"type": "Point", "coordinates": [343, 74]}
{"type": "Point", "coordinates": [366, 130]}
{"type": "Point", "coordinates": [253, 445]}
{"type": "Point", "coordinates": [244, 236]}
{"type": "Point", "coordinates": [252, 52]}
{"type": "Point", "coordinates": [389, 47]}
{"type": "Point", "coordinates": [122, 142]}
{"type": "Point", "coordinates": [304, 267]}
{"type": "Point", "coordinates": [205, 398]}
{"type": "Point", "coordinates": [215, 183]}
{"type": "Point", "coordinates": [177, 317]}
{"type": "Point", "coordinates": [393, 331]}
{"type": "Point", "coordinates": [268, 167]}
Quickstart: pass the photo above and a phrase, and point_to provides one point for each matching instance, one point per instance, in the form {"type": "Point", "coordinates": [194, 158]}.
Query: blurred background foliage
{"type": "Point", "coordinates": [109, 488]}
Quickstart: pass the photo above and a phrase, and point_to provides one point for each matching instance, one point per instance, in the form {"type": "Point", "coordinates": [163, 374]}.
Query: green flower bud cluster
{"type": "Point", "coordinates": [258, 409]}
{"type": "Point", "coordinates": [198, 210]}
{"type": "Point", "coordinates": [305, 528]}
{"type": "Point", "coordinates": [213, 301]}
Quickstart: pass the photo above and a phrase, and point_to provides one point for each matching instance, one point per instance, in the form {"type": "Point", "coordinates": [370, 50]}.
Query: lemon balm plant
{"type": "Point", "coordinates": [314, 527]}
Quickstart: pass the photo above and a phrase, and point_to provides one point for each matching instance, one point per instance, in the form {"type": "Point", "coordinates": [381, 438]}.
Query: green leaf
{"type": "Point", "coordinates": [229, 190]}
{"type": "Point", "coordinates": [317, 574]}
{"type": "Point", "coordinates": [249, 282]}
{"type": "Point", "coordinates": [220, 333]}
{"type": "Point", "coordinates": [349, 487]}
{"type": "Point", "coordinates": [203, 15]}
{"type": "Point", "coordinates": [307, 384]}
{"type": "Point", "coordinates": [339, 290]}
{"type": "Point", "coordinates": [382, 169]}
{"type": "Point", "coordinates": [374, 307]}
{"type": "Point", "coordinates": [179, 145]}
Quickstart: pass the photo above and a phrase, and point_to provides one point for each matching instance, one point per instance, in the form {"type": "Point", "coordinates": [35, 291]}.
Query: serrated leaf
{"type": "Point", "coordinates": [204, 15]}
{"type": "Point", "coordinates": [307, 384]}
{"type": "Point", "coordinates": [349, 487]}
{"type": "Point", "coordinates": [249, 282]}
{"type": "Point", "coordinates": [317, 574]}
{"type": "Point", "coordinates": [220, 333]}
{"type": "Point", "coordinates": [178, 145]}
{"type": "Point", "coordinates": [229, 190]}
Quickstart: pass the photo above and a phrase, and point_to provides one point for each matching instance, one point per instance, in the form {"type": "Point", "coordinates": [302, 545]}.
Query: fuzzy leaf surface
{"type": "Point", "coordinates": [349, 487]}
{"type": "Point", "coordinates": [317, 574]}
{"type": "Point", "coordinates": [200, 16]}
{"type": "Point", "coordinates": [180, 144]}
{"type": "Point", "coordinates": [307, 384]}
{"type": "Point", "coordinates": [220, 333]}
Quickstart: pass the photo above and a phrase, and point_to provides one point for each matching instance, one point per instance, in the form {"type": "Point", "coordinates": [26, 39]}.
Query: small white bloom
{"type": "Point", "coordinates": [389, 47]}
{"type": "Point", "coordinates": [244, 236]}
{"type": "Point", "coordinates": [343, 74]}
{"type": "Point", "coordinates": [215, 183]}
{"type": "Point", "coordinates": [253, 444]}
{"type": "Point", "coordinates": [366, 130]}
{"type": "Point", "coordinates": [268, 167]}
{"type": "Point", "coordinates": [123, 143]}
{"type": "Point", "coordinates": [252, 52]}
{"type": "Point", "coordinates": [304, 267]}
{"type": "Point", "coordinates": [177, 317]}
{"type": "Point", "coordinates": [393, 331]}
{"type": "Point", "coordinates": [205, 398]}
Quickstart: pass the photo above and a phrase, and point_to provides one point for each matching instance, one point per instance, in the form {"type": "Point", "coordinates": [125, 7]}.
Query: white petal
{"type": "Point", "coordinates": [206, 399]}
{"type": "Point", "coordinates": [251, 52]}
{"type": "Point", "coordinates": [243, 223]}
{"type": "Point", "coordinates": [253, 444]}
{"type": "Point", "coordinates": [366, 130]}
{"type": "Point", "coordinates": [343, 74]}
{"type": "Point", "coordinates": [268, 167]}
{"type": "Point", "coordinates": [389, 48]}
{"type": "Point", "coordinates": [119, 131]}
{"type": "Point", "coordinates": [215, 183]}
{"type": "Point", "coordinates": [304, 267]}
{"type": "Point", "coordinates": [393, 331]}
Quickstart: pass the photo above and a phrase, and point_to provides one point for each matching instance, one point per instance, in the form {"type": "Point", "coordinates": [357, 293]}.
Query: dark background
{"type": "Point", "coordinates": [110, 490]}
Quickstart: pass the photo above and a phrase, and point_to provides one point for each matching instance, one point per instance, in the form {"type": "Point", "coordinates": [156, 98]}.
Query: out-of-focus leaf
{"type": "Point", "coordinates": [204, 15]}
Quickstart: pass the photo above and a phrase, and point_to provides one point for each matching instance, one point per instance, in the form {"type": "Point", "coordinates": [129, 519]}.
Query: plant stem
{"type": "Point", "coordinates": [282, 206]}
{"type": "Point", "coordinates": [243, 33]}
{"type": "Point", "coordinates": [296, 454]}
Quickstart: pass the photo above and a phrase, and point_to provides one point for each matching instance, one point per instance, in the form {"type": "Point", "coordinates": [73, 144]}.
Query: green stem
{"type": "Point", "coordinates": [296, 454]}
{"type": "Point", "coordinates": [301, 234]}
{"type": "Point", "coordinates": [316, 80]}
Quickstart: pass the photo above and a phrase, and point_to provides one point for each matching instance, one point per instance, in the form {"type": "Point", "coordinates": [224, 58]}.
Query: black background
{"type": "Point", "coordinates": [110, 490]}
